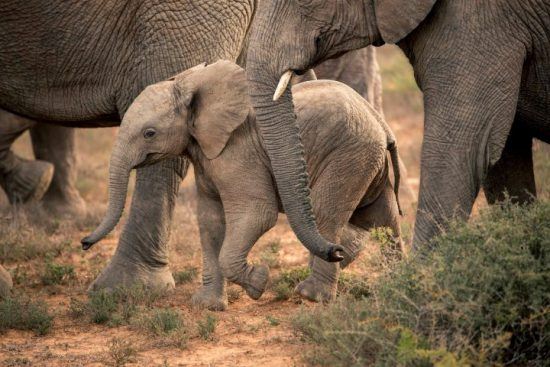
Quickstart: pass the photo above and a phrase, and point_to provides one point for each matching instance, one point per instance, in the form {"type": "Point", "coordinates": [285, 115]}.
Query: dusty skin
{"type": "Point", "coordinates": [244, 336]}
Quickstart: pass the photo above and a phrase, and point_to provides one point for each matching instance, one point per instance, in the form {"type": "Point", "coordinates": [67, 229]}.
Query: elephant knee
{"type": "Point", "coordinates": [231, 266]}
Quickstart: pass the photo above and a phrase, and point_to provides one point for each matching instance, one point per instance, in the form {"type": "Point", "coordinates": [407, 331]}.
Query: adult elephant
{"type": "Point", "coordinates": [484, 68]}
{"type": "Point", "coordinates": [80, 65]}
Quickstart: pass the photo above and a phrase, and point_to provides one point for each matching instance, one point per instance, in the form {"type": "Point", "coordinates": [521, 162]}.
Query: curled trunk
{"type": "Point", "coordinates": [119, 175]}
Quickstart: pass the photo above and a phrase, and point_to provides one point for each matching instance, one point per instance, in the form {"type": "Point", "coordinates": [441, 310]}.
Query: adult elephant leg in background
{"type": "Point", "coordinates": [56, 144]}
{"type": "Point", "coordinates": [513, 174]}
{"type": "Point", "coordinates": [142, 252]}
{"type": "Point", "coordinates": [21, 179]}
{"type": "Point", "coordinates": [5, 282]}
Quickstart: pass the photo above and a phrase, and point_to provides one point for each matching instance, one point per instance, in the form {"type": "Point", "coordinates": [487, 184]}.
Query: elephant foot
{"type": "Point", "coordinates": [27, 181]}
{"type": "Point", "coordinates": [256, 281]}
{"type": "Point", "coordinates": [315, 290]}
{"type": "Point", "coordinates": [209, 299]}
{"type": "Point", "coordinates": [120, 273]}
{"type": "Point", "coordinates": [65, 206]}
{"type": "Point", "coordinates": [5, 282]}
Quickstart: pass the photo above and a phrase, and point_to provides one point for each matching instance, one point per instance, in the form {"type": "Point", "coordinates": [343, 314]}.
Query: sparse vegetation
{"type": "Point", "coordinates": [270, 255]}
{"type": "Point", "coordinates": [24, 314]}
{"type": "Point", "coordinates": [57, 274]}
{"type": "Point", "coordinates": [284, 284]}
{"type": "Point", "coordinates": [120, 353]}
{"type": "Point", "coordinates": [166, 323]}
{"type": "Point", "coordinates": [207, 326]}
{"type": "Point", "coordinates": [481, 297]}
{"type": "Point", "coordinates": [113, 307]}
{"type": "Point", "coordinates": [187, 275]}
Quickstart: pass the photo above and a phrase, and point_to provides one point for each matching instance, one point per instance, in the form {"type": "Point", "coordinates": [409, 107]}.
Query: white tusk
{"type": "Point", "coordinates": [283, 83]}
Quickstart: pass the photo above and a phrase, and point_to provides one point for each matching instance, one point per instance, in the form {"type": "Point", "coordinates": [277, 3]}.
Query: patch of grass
{"type": "Point", "coordinates": [351, 284]}
{"type": "Point", "coordinates": [270, 255]}
{"type": "Point", "coordinates": [207, 326]}
{"type": "Point", "coordinates": [120, 353]}
{"type": "Point", "coordinates": [114, 307]}
{"type": "Point", "coordinates": [187, 275]}
{"type": "Point", "coordinates": [168, 324]}
{"type": "Point", "coordinates": [57, 273]}
{"type": "Point", "coordinates": [24, 314]}
{"type": "Point", "coordinates": [284, 284]}
{"type": "Point", "coordinates": [480, 297]}
{"type": "Point", "coordinates": [273, 321]}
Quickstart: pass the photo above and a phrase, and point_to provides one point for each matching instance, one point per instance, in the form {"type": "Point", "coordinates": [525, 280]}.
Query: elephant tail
{"type": "Point", "coordinates": [394, 155]}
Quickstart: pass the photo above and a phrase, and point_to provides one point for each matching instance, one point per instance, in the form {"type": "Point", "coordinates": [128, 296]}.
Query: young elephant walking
{"type": "Point", "coordinates": [205, 113]}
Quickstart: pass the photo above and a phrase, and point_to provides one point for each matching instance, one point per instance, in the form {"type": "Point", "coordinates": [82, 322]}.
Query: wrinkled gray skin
{"type": "Point", "coordinates": [82, 64]}
{"type": "Point", "coordinates": [484, 68]}
{"type": "Point", "coordinates": [96, 77]}
{"type": "Point", "coordinates": [206, 115]}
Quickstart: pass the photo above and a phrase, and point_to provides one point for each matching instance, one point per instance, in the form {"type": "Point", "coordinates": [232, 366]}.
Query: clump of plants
{"type": "Point", "coordinates": [23, 314]}
{"type": "Point", "coordinates": [166, 323]}
{"type": "Point", "coordinates": [284, 284]}
{"type": "Point", "coordinates": [186, 275]}
{"type": "Point", "coordinates": [479, 296]}
{"type": "Point", "coordinates": [57, 273]}
{"type": "Point", "coordinates": [207, 326]}
{"type": "Point", "coordinates": [114, 307]}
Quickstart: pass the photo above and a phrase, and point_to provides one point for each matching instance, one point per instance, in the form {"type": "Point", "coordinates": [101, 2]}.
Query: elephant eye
{"type": "Point", "coordinates": [149, 133]}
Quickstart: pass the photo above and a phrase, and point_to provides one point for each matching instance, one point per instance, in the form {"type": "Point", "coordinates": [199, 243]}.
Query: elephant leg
{"type": "Point", "coordinates": [212, 229]}
{"type": "Point", "coordinates": [21, 179]}
{"type": "Point", "coordinates": [56, 144]}
{"type": "Point", "coordinates": [383, 212]}
{"type": "Point", "coordinates": [244, 226]}
{"type": "Point", "coordinates": [142, 252]}
{"type": "Point", "coordinates": [5, 282]}
{"type": "Point", "coordinates": [513, 173]}
{"type": "Point", "coordinates": [468, 119]}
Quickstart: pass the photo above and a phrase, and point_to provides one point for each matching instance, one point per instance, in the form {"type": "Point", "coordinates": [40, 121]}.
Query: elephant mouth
{"type": "Point", "coordinates": [152, 158]}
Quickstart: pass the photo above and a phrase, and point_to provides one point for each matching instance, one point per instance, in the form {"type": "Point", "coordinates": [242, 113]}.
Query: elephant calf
{"type": "Point", "coordinates": [205, 113]}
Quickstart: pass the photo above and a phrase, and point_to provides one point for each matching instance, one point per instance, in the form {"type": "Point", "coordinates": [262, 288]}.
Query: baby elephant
{"type": "Point", "coordinates": [205, 114]}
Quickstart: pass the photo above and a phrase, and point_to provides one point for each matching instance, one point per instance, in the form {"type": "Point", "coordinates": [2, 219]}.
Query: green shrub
{"type": "Point", "coordinates": [270, 255]}
{"type": "Point", "coordinates": [166, 323]}
{"type": "Point", "coordinates": [480, 297]}
{"type": "Point", "coordinates": [23, 314]}
{"type": "Point", "coordinates": [114, 307]}
{"type": "Point", "coordinates": [120, 353]}
{"type": "Point", "coordinates": [284, 284]}
{"type": "Point", "coordinates": [207, 327]}
{"type": "Point", "coordinates": [186, 275]}
{"type": "Point", "coordinates": [57, 274]}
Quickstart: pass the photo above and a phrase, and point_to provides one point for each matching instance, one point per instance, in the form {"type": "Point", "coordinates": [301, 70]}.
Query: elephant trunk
{"type": "Point", "coordinates": [277, 125]}
{"type": "Point", "coordinates": [119, 175]}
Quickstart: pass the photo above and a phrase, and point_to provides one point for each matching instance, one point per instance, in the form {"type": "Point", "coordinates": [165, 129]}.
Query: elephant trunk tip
{"type": "Point", "coordinates": [87, 242]}
{"type": "Point", "coordinates": [334, 254]}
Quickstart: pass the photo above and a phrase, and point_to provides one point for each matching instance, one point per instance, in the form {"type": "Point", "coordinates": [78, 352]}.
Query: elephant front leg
{"type": "Point", "coordinates": [244, 227]}
{"type": "Point", "coordinates": [212, 294]}
{"type": "Point", "coordinates": [5, 282]}
{"type": "Point", "coordinates": [56, 144]}
{"type": "Point", "coordinates": [142, 252]}
{"type": "Point", "coordinates": [468, 119]}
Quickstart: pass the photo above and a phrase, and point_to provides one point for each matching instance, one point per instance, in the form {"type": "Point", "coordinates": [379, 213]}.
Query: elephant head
{"type": "Point", "coordinates": [292, 36]}
{"type": "Point", "coordinates": [205, 103]}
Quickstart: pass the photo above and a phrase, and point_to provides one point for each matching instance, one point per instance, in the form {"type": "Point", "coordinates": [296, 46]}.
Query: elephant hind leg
{"type": "Point", "coordinates": [383, 212]}
{"type": "Point", "coordinates": [22, 180]}
{"type": "Point", "coordinates": [56, 144]}
{"type": "Point", "coordinates": [513, 173]}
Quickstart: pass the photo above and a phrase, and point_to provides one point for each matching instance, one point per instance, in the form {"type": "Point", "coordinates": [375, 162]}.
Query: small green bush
{"type": "Point", "coordinates": [114, 307]}
{"type": "Point", "coordinates": [166, 323]}
{"type": "Point", "coordinates": [270, 255]}
{"type": "Point", "coordinates": [23, 314]}
{"type": "Point", "coordinates": [57, 273]}
{"type": "Point", "coordinates": [207, 327]}
{"type": "Point", "coordinates": [284, 284]}
{"type": "Point", "coordinates": [120, 353]}
{"type": "Point", "coordinates": [479, 297]}
{"type": "Point", "coordinates": [186, 275]}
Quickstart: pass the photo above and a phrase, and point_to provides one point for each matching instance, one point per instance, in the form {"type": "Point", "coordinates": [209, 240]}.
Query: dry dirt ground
{"type": "Point", "coordinates": [249, 333]}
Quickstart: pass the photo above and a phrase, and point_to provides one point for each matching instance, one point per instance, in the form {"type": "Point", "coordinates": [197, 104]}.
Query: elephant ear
{"type": "Point", "coordinates": [398, 18]}
{"type": "Point", "coordinates": [217, 100]}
